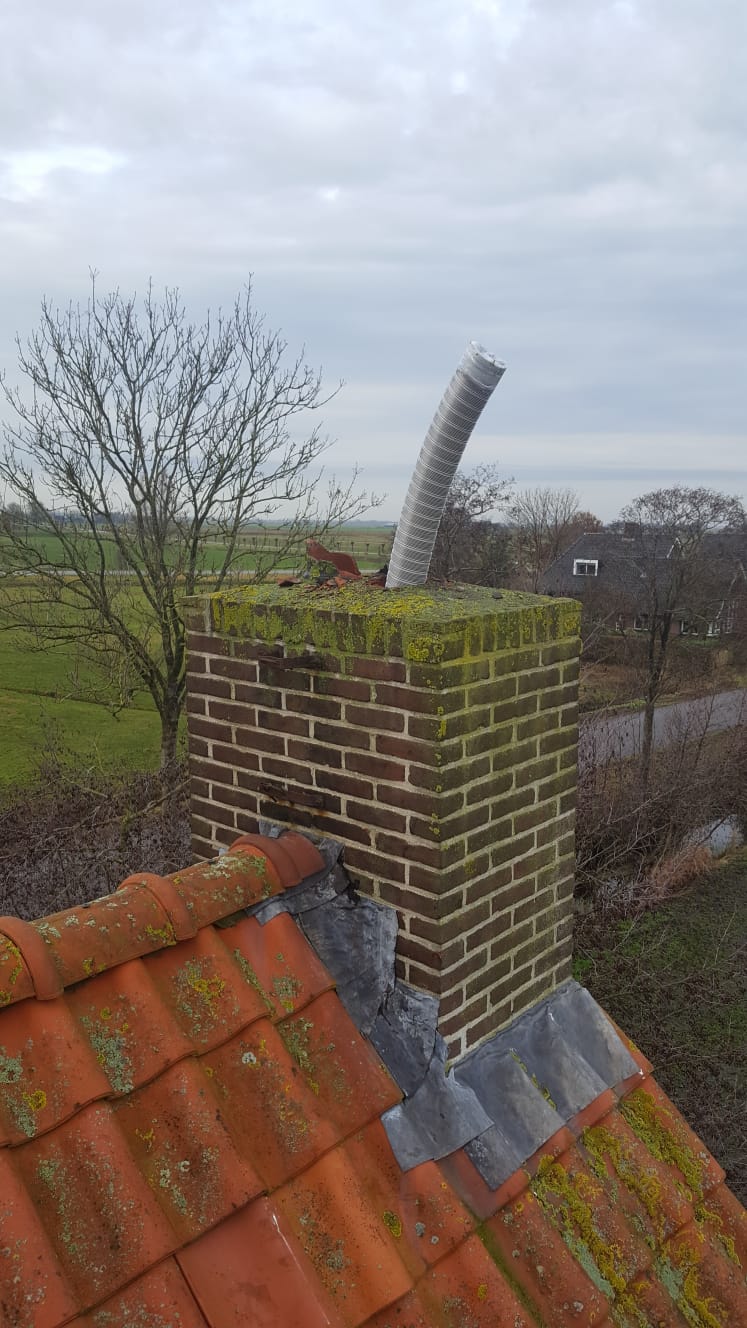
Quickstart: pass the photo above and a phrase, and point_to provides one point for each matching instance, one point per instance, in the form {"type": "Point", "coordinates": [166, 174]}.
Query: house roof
{"type": "Point", "coordinates": [194, 1130]}
{"type": "Point", "coordinates": [625, 561]}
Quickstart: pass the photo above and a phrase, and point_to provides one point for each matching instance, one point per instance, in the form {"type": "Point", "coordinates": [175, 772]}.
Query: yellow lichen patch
{"type": "Point", "coordinates": [250, 976]}
{"type": "Point", "coordinates": [287, 989]}
{"type": "Point", "coordinates": [392, 1223]}
{"type": "Point", "coordinates": [600, 1143]}
{"type": "Point", "coordinates": [706, 1217]}
{"type": "Point", "coordinates": [680, 1274]}
{"type": "Point", "coordinates": [111, 1050]}
{"type": "Point", "coordinates": [663, 1135]}
{"type": "Point", "coordinates": [10, 959]}
{"type": "Point", "coordinates": [164, 935]}
{"type": "Point", "coordinates": [209, 988]}
{"type": "Point", "coordinates": [570, 1202]}
{"type": "Point", "coordinates": [296, 1037]}
{"type": "Point", "coordinates": [37, 1100]}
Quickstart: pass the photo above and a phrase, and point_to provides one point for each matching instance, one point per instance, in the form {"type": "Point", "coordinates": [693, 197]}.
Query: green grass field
{"type": "Point", "coordinates": [369, 546]}
{"type": "Point", "coordinates": [50, 694]}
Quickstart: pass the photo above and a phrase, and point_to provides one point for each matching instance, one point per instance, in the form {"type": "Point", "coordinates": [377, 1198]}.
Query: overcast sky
{"type": "Point", "coordinates": [563, 180]}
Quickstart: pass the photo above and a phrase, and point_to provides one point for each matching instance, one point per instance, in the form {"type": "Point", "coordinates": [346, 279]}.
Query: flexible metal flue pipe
{"type": "Point", "coordinates": [459, 410]}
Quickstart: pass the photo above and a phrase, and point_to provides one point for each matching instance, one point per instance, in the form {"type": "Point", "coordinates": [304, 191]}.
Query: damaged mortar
{"type": "Point", "coordinates": [430, 731]}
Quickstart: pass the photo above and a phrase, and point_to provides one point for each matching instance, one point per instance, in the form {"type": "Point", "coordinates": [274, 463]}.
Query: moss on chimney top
{"type": "Point", "coordinates": [424, 625]}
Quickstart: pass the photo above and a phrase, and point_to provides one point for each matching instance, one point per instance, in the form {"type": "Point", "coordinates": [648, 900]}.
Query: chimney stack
{"type": "Point", "coordinates": [434, 733]}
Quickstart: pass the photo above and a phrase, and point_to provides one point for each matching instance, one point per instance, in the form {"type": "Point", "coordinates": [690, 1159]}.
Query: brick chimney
{"type": "Point", "coordinates": [434, 733]}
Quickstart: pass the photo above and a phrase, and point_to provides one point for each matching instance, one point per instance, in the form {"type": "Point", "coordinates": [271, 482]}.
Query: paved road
{"type": "Point", "coordinates": [604, 736]}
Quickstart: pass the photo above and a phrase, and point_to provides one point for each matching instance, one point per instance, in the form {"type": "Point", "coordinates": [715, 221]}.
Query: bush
{"type": "Point", "coordinates": [68, 839]}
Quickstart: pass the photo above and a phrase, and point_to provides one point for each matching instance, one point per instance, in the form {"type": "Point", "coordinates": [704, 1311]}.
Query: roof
{"type": "Point", "coordinates": [194, 1130]}
{"type": "Point", "coordinates": [625, 560]}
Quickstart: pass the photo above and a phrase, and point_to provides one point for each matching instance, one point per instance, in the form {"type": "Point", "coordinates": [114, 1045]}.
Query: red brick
{"type": "Point", "coordinates": [200, 644]}
{"type": "Point", "coordinates": [364, 763]}
{"type": "Point", "coordinates": [238, 669]}
{"type": "Point", "coordinates": [432, 958]}
{"type": "Point", "coordinates": [195, 705]}
{"type": "Point", "coordinates": [218, 815]}
{"type": "Point", "coordinates": [444, 778]}
{"type": "Point", "coordinates": [351, 689]}
{"type": "Point", "coordinates": [292, 680]}
{"type": "Point", "coordinates": [253, 649]}
{"type": "Point", "coordinates": [261, 696]}
{"type": "Point", "coordinates": [440, 930]}
{"type": "Point", "coordinates": [458, 1021]}
{"type": "Point", "coordinates": [375, 865]}
{"type": "Point", "coordinates": [218, 774]}
{"type": "Point", "coordinates": [207, 728]}
{"type": "Point", "coordinates": [281, 722]}
{"type": "Point", "coordinates": [281, 768]}
{"type": "Point", "coordinates": [256, 740]}
{"type": "Point", "coordinates": [344, 783]}
{"type": "Point", "coordinates": [229, 712]}
{"type": "Point", "coordinates": [234, 756]}
{"type": "Point", "coordinates": [322, 707]}
{"type": "Point", "coordinates": [339, 736]}
{"type": "Point", "coordinates": [413, 800]}
{"type": "Point", "coordinates": [408, 749]}
{"type": "Point", "coordinates": [371, 717]}
{"type": "Point", "coordinates": [381, 670]}
{"type": "Point", "coordinates": [313, 754]}
{"type": "Point", "coordinates": [205, 685]}
{"type": "Point", "coordinates": [422, 978]}
{"type": "Point", "coordinates": [384, 818]}
{"type": "Point", "coordinates": [426, 701]}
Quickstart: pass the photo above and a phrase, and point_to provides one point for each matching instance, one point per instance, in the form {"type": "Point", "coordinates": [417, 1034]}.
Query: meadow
{"type": "Point", "coordinates": [52, 696]}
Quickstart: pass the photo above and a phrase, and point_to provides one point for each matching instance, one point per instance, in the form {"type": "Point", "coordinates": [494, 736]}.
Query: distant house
{"type": "Point", "coordinates": [623, 574]}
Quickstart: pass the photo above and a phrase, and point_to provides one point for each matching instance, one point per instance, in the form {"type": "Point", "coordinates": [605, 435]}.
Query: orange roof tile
{"type": "Point", "coordinates": [191, 1136]}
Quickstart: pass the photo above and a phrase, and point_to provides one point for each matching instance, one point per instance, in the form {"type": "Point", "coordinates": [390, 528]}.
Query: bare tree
{"type": "Point", "coordinates": [139, 447]}
{"type": "Point", "coordinates": [546, 521]}
{"type": "Point", "coordinates": [677, 570]}
{"type": "Point", "coordinates": [469, 547]}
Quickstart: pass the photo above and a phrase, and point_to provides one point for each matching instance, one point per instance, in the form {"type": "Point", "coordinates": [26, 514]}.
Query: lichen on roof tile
{"type": "Point", "coordinates": [194, 1135]}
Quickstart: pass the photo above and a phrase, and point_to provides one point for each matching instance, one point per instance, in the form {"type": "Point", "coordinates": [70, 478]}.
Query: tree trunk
{"type": "Point", "coordinates": [648, 737]}
{"type": "Point", "coordinates": [169, 731]}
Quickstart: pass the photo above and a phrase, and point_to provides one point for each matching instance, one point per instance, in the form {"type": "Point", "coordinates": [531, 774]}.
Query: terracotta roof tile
{"type": "Point", "coordinates": [180, 1144]}
{"type": "Point", "coordinates": [252, 1271]}
{"type": "Point", "coordinates": [639, 1184]}
{"type": "Point", "coordinates": [47, 1071]}
{"type": "Point", "coordinates": [34, 1292]}
{"type": "Point", "coordinates": [102, 1219]}
{"type": "Point", "coordinates": [667, 1137]}
{"type": "Point", "coordinates": [207, 994]}
{"type": "Point", "coordinates": [464, 1290]}
{"type": "Point", "coordinates": [537, 1259]}
{"type": "Point", "coordinates": [122, 1020]}
{"type": "Point", "coordinates": [279, 962]}
{"type": "Point", "coordinates": [286, 1128]}
{"type": "Point", "coordinates": [340, 1067]}
{"type": "Point", "coordinates": [159, 1299]}
{"type": "Point", "coordinates": [352, 1244]}
{"type": "Point", "coordinates": [192, 1137]}
{"type": "Point", "coordinates": [421, 1211]}
{"type": "Point", "coordinates": [15, 978]}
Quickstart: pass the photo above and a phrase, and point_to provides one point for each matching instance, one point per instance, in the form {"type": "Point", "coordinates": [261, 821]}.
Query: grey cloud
{"type": "Point", "coordinates": [566, 182]}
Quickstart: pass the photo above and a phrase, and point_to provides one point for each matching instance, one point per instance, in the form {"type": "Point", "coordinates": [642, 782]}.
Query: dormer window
{"type": "Point", "coordinates": [585, 566]}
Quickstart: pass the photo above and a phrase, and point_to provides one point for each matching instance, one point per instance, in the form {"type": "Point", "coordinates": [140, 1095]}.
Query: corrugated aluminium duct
{"type": "Point", "coordinates": [460, 408]}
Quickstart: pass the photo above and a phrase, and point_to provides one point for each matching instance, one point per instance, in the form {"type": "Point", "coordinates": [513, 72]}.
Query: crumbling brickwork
{"type": "Point", "coordinates": [435, 734]}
